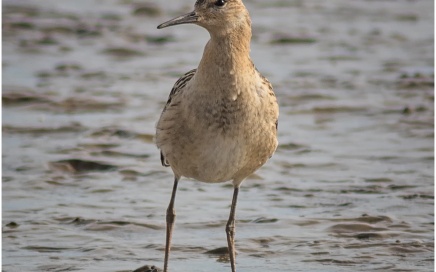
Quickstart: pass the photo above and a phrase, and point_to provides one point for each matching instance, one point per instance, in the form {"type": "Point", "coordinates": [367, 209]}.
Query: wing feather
{"type": "Point", "coordinates": [177, 88]}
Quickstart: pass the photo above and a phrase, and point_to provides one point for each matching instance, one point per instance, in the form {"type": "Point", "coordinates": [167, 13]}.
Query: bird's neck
{"type": "Point", "coordinates": [226, 58]}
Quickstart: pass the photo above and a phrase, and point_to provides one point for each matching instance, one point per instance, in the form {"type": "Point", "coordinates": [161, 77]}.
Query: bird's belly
{"type": "Point", "coordinates": [211, 159]}
{"type": "Point", "coordinates": [216, 156]}
{"type": "Point", "coordinates": [216, 145]}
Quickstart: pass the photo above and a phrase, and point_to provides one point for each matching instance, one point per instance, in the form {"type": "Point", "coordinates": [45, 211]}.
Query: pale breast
{"type": "Point", "coordinates": [218, 140]}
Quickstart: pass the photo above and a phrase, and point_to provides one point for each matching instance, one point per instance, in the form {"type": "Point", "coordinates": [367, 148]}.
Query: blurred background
{"type": "Point", "coordinates": [350, 187]}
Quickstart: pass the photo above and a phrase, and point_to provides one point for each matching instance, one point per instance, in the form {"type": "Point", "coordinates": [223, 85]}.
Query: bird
{"type": "Point", "coordinates": [220, 121]}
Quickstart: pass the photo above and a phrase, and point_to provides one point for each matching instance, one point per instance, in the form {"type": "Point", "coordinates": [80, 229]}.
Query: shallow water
{"type": "Point", "coordinates": [350, 187]}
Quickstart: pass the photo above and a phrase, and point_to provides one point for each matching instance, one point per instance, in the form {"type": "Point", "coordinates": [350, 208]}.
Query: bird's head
{"type": "Point", "coordinates": [219, 17]}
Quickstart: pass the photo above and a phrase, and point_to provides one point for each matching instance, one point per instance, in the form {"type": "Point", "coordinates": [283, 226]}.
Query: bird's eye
{"type": "Point", "coordinates": [220, 3]}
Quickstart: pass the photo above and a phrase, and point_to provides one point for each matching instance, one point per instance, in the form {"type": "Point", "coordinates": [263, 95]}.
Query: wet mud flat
{"type": "Point", "coordinates": [350, 188]}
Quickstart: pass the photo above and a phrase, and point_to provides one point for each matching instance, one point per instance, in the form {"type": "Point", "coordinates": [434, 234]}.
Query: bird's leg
{"type": "Point", "coordinates": [170, 218]}
{"type": "Point", "coordinates": [230, 230]}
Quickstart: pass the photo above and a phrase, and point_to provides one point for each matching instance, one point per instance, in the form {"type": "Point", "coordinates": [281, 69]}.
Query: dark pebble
{"type": "Point", "coordinates": [147, 268]}
{"type": "Point", "coordinates": [12, 225]}
{"type": "Point", "coordinates": [80, 166]}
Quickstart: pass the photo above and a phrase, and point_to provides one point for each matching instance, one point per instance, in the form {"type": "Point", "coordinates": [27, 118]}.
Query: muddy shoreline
{"type": "Point", "coordinates": [350, 188]}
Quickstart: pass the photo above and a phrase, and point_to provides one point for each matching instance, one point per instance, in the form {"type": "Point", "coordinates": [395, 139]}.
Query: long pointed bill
{"type": "Point", "coordinates": [188, 18]}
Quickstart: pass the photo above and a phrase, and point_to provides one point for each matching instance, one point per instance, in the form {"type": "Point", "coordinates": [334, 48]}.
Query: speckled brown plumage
{"type": "Point", "coordinates": [220, 120]}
